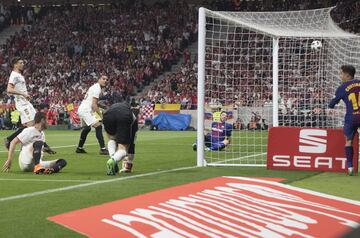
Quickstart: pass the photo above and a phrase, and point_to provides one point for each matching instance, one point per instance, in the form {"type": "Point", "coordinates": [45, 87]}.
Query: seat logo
{"type": "Point", "coordinates": [312, 141]}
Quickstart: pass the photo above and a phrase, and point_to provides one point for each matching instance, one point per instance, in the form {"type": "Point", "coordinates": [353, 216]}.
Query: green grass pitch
{"type": "Point", "coordinates": [163, 159]}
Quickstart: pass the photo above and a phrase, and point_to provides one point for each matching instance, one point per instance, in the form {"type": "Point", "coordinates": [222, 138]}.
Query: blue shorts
{"type": "Point", "coordinates": [214, 144]}
{"type": "Point", "coordinates": [350, 130]}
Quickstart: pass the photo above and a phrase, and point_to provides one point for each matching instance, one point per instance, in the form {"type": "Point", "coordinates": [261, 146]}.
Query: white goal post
{"type": "Point", "coordinates": [260, 67]}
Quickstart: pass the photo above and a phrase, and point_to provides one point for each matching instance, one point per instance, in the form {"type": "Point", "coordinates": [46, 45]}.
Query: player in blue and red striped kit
{"type": "Point", "coordinates": [220, 134]}
{"type": "Point", "coordinates": [349, 92]}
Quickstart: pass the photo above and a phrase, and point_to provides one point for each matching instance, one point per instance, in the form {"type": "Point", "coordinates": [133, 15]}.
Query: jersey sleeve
{"type": "Point", "coordinates": [12, 79]}
{"type": "Point", "coordinates": [96, 91]}
{"type": "Point", "coordinates": [337, 98]}
{"type": "Point", "coordinates": [25, 136]}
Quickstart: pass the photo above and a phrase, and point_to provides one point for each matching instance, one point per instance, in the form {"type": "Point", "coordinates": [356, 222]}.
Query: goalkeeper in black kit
{"type": "Point", "coordinates": [121, 125]}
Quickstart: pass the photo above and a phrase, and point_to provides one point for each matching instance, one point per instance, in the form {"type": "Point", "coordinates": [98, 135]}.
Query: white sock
{"type": "Point", "coordinates": [119, 155]}
{"type": "Point", "coordinates": [111, 147]}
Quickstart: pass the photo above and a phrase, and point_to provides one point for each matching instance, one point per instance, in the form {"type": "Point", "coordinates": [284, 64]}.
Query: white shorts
{"type": "Point", "coordinates": [26, 161]}
{"type": "Point", "coordinates": [27, 112]}
{"type": "Point", "coordinates": [88, 118]}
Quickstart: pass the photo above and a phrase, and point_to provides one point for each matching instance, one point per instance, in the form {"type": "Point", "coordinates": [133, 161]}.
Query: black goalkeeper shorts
{"type": "Point", "coordinates": [121, 125]}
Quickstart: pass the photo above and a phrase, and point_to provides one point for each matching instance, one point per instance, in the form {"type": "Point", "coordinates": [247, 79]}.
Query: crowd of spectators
{"type": "Point", "coordinates": [67, 47]}
{"type": "Point", "coordinates": [239, 69]}
{"type": "Point", "coordinates": [260, 5]}
{"type": "Point", "coordinates": [70, 46]}
{"type": "Point", "coordinates": [5, 19]}
{"type": "Point", "coordinates": [347, 15]}
{"type": "Point", "coordinates": [179, 87]}
{"type": "Point", "coordinates": [238, 63]}
{"type": "Point", "coordinates": [246, 67]}
{"type": "Point", "coordinates": [239, 73]}
{"type": "Point", "coordinates": [18, 14]}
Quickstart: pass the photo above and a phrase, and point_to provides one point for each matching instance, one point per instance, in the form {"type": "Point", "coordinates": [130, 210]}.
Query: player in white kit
{"type": "Point", "coordinates": [30, 158]}
{"type": "Point", "coordinates": [17, 87]}
{"type": "Point", "coordinates": [90, 115]}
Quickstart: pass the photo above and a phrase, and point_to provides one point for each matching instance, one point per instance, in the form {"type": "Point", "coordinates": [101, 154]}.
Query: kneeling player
{"type": "Point", "coordinates": [121, 125]}
{"type": "Point", "coordinates": [30, 158]}
{"type": "Point", "coordinates": [220, 134]}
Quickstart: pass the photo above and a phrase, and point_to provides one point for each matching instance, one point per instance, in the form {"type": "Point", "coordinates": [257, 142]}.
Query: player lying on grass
{"type": "Point", "coordinates": [30, 157]}
{"type": "Point", "coordinates": [220, 134]}
{"type": "Point", "coordinates": [349, 92]}
{"type": "Point", "coordinates": [121, 126]}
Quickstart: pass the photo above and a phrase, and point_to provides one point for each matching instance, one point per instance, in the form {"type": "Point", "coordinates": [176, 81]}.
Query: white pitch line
{"type": "Point", "coordinates": [47, 180]}
{"type": "Point", "coordinates": [220, 163]}
{"type": "Point", "coordinates": [26, 195]}
{"type": "Point", "coordinates": [67, 146]}
{"type": "Point", "coordinates": [53, 147]}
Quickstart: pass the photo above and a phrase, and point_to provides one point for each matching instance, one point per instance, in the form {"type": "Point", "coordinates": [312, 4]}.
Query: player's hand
{"type": "Point", "coordinates": [6, 167]}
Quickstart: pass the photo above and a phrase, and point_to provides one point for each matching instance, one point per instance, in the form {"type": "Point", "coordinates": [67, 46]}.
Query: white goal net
{"type": "Point", "coordinates": [267, 69]}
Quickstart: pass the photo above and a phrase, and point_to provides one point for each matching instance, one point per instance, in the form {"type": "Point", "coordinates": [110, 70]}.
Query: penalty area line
{"type": "Point", "coordinates": [73, 187]}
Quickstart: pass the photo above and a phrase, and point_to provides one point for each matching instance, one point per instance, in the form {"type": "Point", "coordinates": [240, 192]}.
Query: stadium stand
{"type": "Point", "coordinates": [133, 51]}
{"type": "Point", "coordinates": [180, 86]}
{"type": "Point", "coordinates": [177, 88]}
{"type": "Point", "coordinates": [64, 54]}
{"type": "Point", "coordinates": [4, 17]}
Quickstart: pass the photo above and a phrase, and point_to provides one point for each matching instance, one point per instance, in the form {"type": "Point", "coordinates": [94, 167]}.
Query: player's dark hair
{"type": "Point", "coordinates": [15, 60]}
{"type": "Point", "coordinates": [39, 116]}
{"type": "Point", "coordinates": [349, 69]}
{"type": "Point", "coordinates": [102, 73]}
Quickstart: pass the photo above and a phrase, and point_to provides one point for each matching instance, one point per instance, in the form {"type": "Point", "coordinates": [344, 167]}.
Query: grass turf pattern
{"type": "Point", "coordinates": [156, 153]}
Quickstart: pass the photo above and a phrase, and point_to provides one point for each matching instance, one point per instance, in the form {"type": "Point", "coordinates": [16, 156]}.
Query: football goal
{"type": "Point", "coordinates": [267, 69]}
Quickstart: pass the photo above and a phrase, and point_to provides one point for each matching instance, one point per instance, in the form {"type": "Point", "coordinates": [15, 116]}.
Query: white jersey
{"type": "Point", "coordinates": [20, 85]}
{"type": "Point", "coordinates": [27, 137]}
{"type": "Point", "coordinates": [30, 135]}
{"type": "Point", "coordinates": [93, 92]}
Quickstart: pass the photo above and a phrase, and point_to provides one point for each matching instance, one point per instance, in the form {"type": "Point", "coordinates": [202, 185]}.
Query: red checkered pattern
{"type": "Point", "coordinates": [145, 112]}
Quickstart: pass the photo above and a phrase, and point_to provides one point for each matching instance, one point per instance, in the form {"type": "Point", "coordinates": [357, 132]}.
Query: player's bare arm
{"type": "Point", "coordinates": [11, 90]}
{"type": "Point", "coordinates": [7, 165]}
{"type": "Point", "coordinates": [95, 107]}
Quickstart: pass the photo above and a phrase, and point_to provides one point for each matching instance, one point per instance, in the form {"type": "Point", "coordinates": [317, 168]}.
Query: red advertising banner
{"type": "Point", "coordinates": [293, 148]}
{"type": "Point", "coordinates": [229, 207]}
